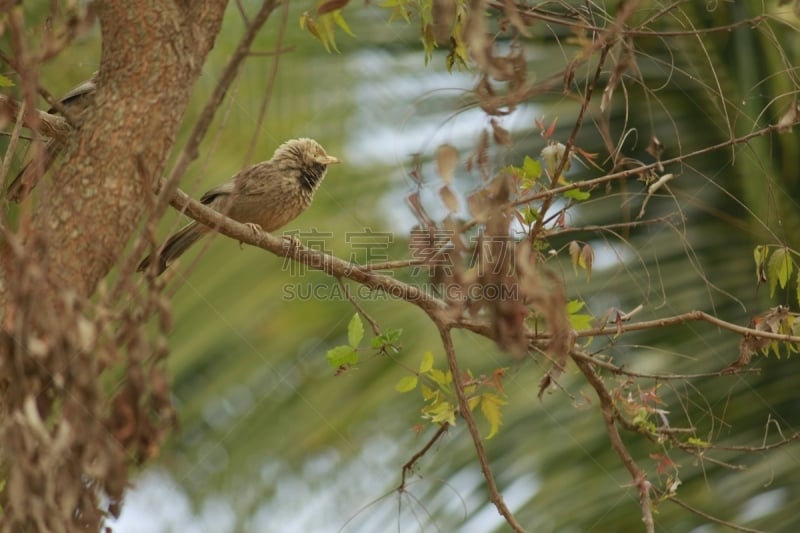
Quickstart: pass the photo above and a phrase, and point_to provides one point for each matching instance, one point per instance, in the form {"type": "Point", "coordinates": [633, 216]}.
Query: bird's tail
{"type": "Point", "coordinates": [174, 247]}
{"type": "Point", "coordinates": [26, 180]}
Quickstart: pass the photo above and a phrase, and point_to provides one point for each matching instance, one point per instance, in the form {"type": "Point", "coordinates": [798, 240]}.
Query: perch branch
{"type": "Point", "coordinates": [466, 414]}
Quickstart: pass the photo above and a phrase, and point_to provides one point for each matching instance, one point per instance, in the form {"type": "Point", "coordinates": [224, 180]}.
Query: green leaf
{"type": "Point", "coordinates": [5, 82]}
{"type": "Point", "coordinates": [398, 9]}
{"type": "Point", "coordinates": [342, 355]}
{"type": "Point", "coordinates": [577, 194]}
{"type": "Point", "coordinates": [760, 254]}
{"type": "Point", "coordinates": [393, 335]}
{"type": "Point", "coordinates": [529, 215]}
{"type": "Point", "coordinates": [407, 384]}
{"type": "Point", "coordinates": [389, 338]}
{"type": "Point", "coordinates": [797, 286]}
{"type": "Point", "coordinates": [491, 408]}
{"type": "Point", "coordinates": [339, 20]}
{"type": "Point", "coordinates": [355, 331]}
{"type": "Point", "coordinates": [473, 402]}
{"type": "Point", "coordinates": [428, 393]}
{"type": "Point", "coordinates": [441, 412]}
{"type": "Point", "coordinates": [700, 443]}
{"type": "Point", "coordinates": [427, 363]}
{"type": "Point", "coordinates": [531, 169]}
{"type": "Point", "coordinates": [580, 321]}
{"type": "Point", "coordinates": [440, 377]}
{"type": "Point", "coordinates": [573, 306]}
{"type": "Point", "coordinates": [779, 269]}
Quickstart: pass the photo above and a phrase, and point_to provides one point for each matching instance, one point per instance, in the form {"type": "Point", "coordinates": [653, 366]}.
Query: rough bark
{"type": "Point", "coordinates": [66, 440]}
{"type": "Point", "coordinates": [152, 54]}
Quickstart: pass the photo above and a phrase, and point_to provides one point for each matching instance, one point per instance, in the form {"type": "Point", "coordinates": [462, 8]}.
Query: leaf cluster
{"type": "Point", "coordinates": [441, 404]}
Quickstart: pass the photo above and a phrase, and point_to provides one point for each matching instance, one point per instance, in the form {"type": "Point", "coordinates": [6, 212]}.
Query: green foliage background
{"type": "Point", "coordinates": [262, 415]}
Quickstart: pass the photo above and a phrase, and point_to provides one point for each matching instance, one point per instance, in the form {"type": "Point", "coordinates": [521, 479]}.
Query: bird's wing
{"type": "Point", "coordinates": [250, 181]}
{"type": "Point", "coordinates": [219, 191]}
{"type": "Point", "coordinates": [76, 93]}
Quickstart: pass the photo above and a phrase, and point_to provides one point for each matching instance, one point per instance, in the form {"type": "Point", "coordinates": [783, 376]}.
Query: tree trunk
{"type": "Point", "coordinates": [152, 54]}
{"type": "Point", "coordinates": [65, 437]}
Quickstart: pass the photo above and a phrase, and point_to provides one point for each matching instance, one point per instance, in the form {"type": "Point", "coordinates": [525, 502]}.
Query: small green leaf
{"type": "Point", "coordinates": [440, 377]}
{"type": "Point", "coordinates": [427, 392]}
{"type": "Point", "coordinates": [529, 215]}
{"type": "Point", "coordinates": [406, 384]}
{"type": "Point", "coordinates": [797, 286]}
{"type": "Point", "coordinates": [5, 82]}
{"type": "Point", "coordinates": [427, 363]}
{"type": "Point", "coordinates": [339, 20]}
{"type": "Point", "coordinates": [390, 337]}
{"type": "Point", "coordinates": [577, 194]}
{"type": "Point", "coordinates": [473, 402]}
{"type": "Point", "coordinates": [490, 407]}
{"type": "Point", "coordinates": [441, 412]}
{"type": "Point", "coordinates": [355, 331]}
{"type": "Point", "coordinates": [580, 321]}
{"type": "Point", "coordinates": [531, 169]}
{"type": "Point", "coordinates": [779, 269]}
{"type": "Point", "coordinates": [573, 306]}
{"type": "Point", "coordinates": [760, 254]}
{"type": "Point", "coordinates": [342, 355]}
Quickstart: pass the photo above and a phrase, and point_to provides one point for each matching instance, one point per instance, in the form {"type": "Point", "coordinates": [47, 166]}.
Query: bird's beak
{"type": "Point", "coordinates": [330, 160]}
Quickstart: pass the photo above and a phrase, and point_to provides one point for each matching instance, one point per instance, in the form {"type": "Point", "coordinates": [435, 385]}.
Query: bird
{"type": "Point", "coordinates": [265, 196]}
{"type": "Point", "coordinates": [75, 101]}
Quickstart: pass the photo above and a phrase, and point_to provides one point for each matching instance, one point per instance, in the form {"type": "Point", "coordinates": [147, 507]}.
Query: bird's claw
{"type": "Point", "coordinates": [255, 228]}
{"type": "Point", "coordinates": [291, 242]}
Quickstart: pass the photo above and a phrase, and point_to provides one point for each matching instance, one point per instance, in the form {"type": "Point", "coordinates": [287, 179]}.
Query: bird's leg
{"type": "Point", "coordinates": [254, 227]}
{"type": "Point", "coordinates": [291, 242]}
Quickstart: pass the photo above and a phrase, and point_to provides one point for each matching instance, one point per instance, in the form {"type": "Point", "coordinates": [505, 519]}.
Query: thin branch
{"type": "Point", "coordinates": [12, 144]}
{"type": "Point", "coordinates": [466, 414]}
{"type": "Point", "coordinates": [535, 13]}
{"type": "Point", "coordinates": [615, 369]}
{"type": "Point", "coordinates": [587, 98]}
{"type": "Point", "coordinates": [593, 228]}
{"type": "Point", "coordinates": [763, 448]}
{"type": "Point", "coordinates": [421, 453]}
{"type": "Point", "coordinates": [644, 168]}
{"type": "Point", "coordinates": [270, 82]}
{"type": "Point", "coordinates": [376, 329]}
{"type": "Point", "coordinates": [610, 417]}
{"type": "Point", "coordinates": [690, 316]}
{"type": "Point", "coordinates": [710, 518]}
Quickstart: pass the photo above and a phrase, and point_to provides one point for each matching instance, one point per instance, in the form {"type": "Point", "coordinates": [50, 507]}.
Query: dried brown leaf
{"type": "Point", "coordinates": [446, 162]}
{"type": "Point", "coordinates": [500, 134]}
{"type": "Point", "coordinates": [512, 12]}
{"type": "Point", "coordinates": [574, 254]}
{"type": "Point", "coordinates": [448, 198]}
{"type": "Point", "coordinates": [789, 119]}
{"type": "Point", "coordinates": [655, 148]}
{"type": "Point", "coordinates": [587, 258]}
{"type": "Point", "coordinates": [331, 5]}
{"type": "Point", "coordinates": [478, 205]}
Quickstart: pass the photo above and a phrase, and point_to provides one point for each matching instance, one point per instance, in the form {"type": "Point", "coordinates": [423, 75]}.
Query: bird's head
{"type": "Point", "coordinates": [307, 156]}
{"type": "Point", "coordinates": [306, 151]}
